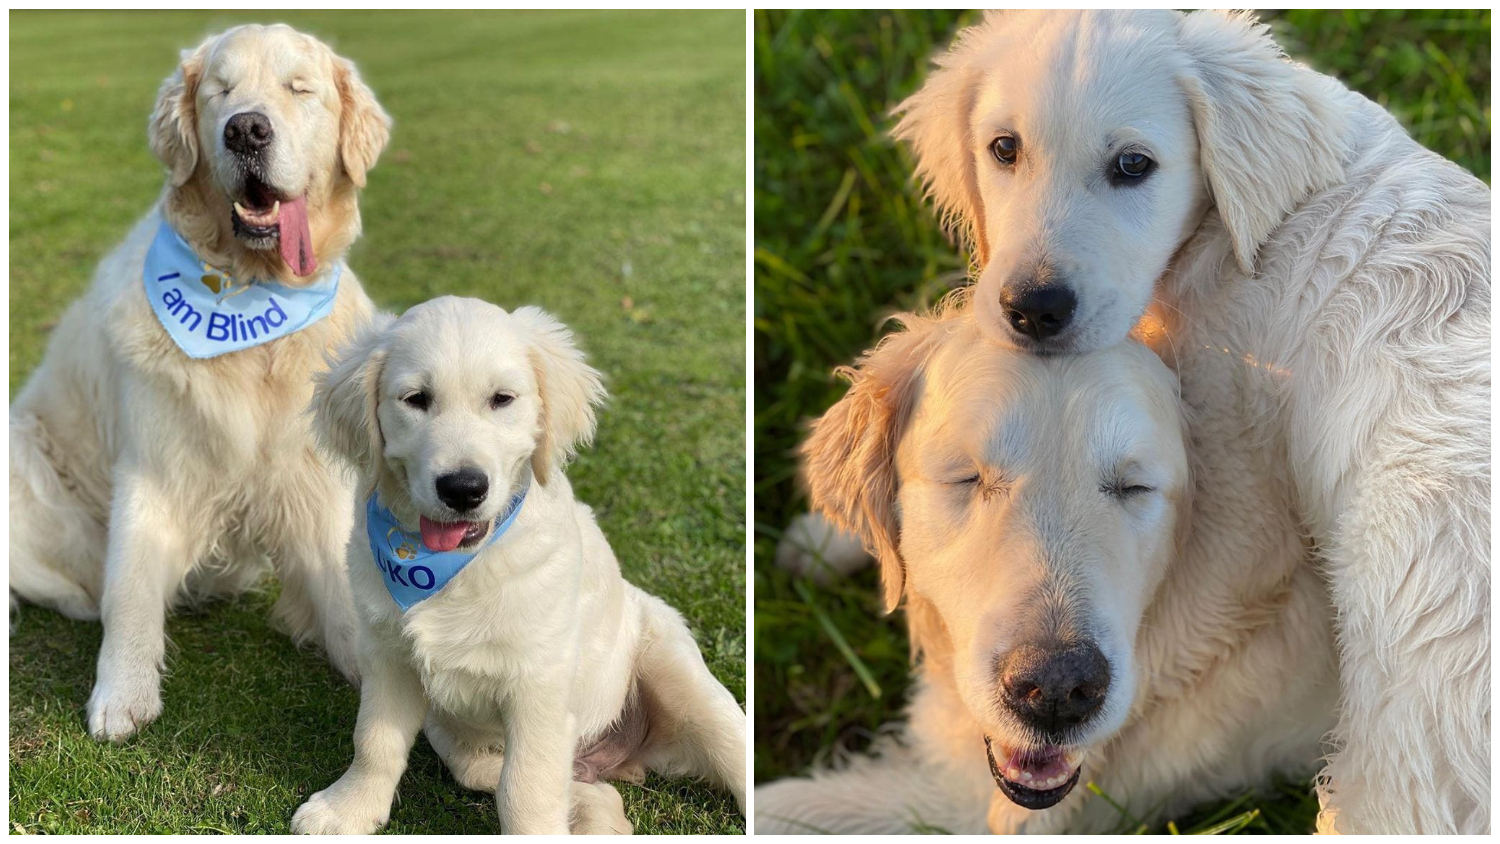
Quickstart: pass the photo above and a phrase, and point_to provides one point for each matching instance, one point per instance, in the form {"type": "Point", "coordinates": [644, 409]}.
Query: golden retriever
{"type": "Point", "coordinates": [1034, 512]}
{"type": "Point", "coordinates": [141, 475]}
{"type": "Point", "coordinates": [460, 417]}
{"type": "Point", "coordinates": [1320, 282]}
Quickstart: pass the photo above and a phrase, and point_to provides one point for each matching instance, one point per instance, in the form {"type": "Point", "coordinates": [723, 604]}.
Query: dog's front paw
{"type": "Point", "coordinates": [119, 708]}
{"type": "Point", "coordinates": [598, 810]}
{"type": "Point", "coordinates": [814, 548]}
{"type": "Point", "coordinates": [326, 814]}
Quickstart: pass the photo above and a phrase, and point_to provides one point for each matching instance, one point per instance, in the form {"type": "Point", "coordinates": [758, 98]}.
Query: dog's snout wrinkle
{"type": "Point", "coordinates": [464, 489]}
{"type": "Point", "coordinates": [1040, 311]}
{"type": "Point", "coordinates": [248, 133]}
{"type": "Point", "coordinates": [1055, 689]}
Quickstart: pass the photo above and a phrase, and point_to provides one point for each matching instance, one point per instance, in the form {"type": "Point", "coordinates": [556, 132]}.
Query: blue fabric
{"type": "Point", "coordinates": [412, 571]}
{"type": "Point", "coordinates": [210, 313]}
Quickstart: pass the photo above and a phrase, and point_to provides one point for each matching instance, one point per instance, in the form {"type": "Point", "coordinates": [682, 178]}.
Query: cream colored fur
{"type": "Point", "coordinates": [537, 644]}
{"type": "Point", "coordinates": [1188, 628]}
{"type": "Point", "coordinates": [1321, 283]}
{"type": "Point", "coordinates": [140, 477]}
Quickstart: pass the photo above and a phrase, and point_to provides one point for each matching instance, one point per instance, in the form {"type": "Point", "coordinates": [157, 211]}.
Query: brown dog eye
{"type": "Point", "coordinates": [418, 400]}
{"type": "Point", "coordinates": [500, 400]}
{"type": "Point", "coordinates": [1131, 166]}
{"type": "Point", "coordinates": [1005, 148]}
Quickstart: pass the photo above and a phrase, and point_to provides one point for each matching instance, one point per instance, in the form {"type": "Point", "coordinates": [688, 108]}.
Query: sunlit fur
{"type": "Point", "coordinates": [139, 476]}
{"type": "Point", "coordinates": [1039, 550]}
{"type": "Point", "coordinates": [1329, 315]}
{"type": "Point", "coordinates": [539, 642]}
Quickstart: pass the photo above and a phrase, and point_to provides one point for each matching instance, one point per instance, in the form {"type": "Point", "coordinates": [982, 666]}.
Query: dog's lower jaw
{"type": "Point", "coordinates": [1024, 795]}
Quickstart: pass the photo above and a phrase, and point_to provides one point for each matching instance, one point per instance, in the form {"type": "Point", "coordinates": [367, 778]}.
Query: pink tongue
{"type": "Point", "coordinates": [443, 536]}
{"type": "Point", "coordinates": [296, 240]}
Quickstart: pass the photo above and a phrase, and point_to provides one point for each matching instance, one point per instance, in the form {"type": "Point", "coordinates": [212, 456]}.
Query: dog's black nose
{"type": "Point", "coordinates": [1054, 689]}
{"type": "Point", "coordinates": [248, 132]}
{"type": "Point", "coordinates": [1039, 312]}
{"type": "Point", "coordinates": [463, 490]}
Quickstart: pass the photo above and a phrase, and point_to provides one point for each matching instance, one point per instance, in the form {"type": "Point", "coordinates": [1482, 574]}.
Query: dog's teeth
{"type": "Point", "coordinates": [239, 208]}
{"type": "Point", "coordinates": [1025, 775]}
{"type": "Point", "coordinates": [276, 209]}
{"type": "Point", "coordinates": [1013, 774]}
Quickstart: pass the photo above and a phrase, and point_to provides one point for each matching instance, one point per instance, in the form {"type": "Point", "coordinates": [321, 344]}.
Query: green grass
{"type": "Point", "coordinates": [592, 164]}
{"type": "Point", "coordinates": [842, 239]}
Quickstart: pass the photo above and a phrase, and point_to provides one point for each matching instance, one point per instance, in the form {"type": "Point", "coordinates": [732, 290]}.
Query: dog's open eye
{"type": "Point", "coordinates": [1131, 166]}
{"type": "Point", "coordinates": [1005, 148]}
{"type": "Point", "coordinates": [500, 400]}
{"type": "Point", "coordinates": [419, 400]}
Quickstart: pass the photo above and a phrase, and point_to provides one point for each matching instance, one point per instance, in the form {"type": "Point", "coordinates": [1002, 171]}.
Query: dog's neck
{"type": "Point", "coordinates": [199, 212]}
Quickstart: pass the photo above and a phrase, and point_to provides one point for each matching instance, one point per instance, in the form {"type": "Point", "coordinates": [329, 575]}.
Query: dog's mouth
{"type": "Point", "coordinates": [452, 536]}
{"type": "Point", "coordinates": [1034, 778]}
{"type": "Point", "coordinates": [264, 218]}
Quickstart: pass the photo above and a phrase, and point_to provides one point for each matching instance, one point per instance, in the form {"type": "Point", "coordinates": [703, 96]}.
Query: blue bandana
{"type": "Point", "coordinates": [208, 312]}
{"type": "Point", "coordinates": [411, 570]}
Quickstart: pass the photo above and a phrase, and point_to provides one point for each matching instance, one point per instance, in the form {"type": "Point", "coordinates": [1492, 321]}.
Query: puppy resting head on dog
{"type": "Point", "coordinates": [1076, 152]}
{"type": "Point", "coordinates": [451, 409]}
{"type": "Point", "coordinates": [267, 135]}
{"type": "Point", "coordinates": [1028, 507]}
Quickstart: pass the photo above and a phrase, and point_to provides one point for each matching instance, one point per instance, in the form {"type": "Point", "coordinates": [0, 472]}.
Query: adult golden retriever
{"type": "Point", "coordinates": [1039, 517]}
{"type": "Point", "coordinates": [140, 475]}
{"type": "Point", "coordinates": [1320, 282]}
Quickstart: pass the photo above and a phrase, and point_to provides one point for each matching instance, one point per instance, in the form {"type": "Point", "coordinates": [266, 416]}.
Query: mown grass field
{"type": "Point", "coordinates": [842, 240]}
{"type": "Point", "coordinates": [590, 163]}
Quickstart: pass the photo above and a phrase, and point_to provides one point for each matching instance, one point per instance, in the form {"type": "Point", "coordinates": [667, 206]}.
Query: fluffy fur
{"type": "Point", "coordinates": [1039, 549]}
{"type": "Point", "coordinates": [1321, 283]}
{"type": "Point", "coordinates": [538, 649]}
{"type": "Point", "coordinates": [139, 476]}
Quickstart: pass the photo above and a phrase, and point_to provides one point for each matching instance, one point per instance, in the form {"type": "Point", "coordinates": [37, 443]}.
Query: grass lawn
{"type": "Point", "coordinates": [842, 239]}
{"type": "Point", "coordinates": [592, 164]}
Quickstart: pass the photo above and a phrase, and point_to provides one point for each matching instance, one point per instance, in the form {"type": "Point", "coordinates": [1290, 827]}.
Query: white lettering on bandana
{"type": "Point", "coordinates": [208, 312]}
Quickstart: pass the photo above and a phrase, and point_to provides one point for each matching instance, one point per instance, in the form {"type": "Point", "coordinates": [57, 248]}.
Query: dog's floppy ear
{"type": "Point", "coordinates": [345, 399]}
{"type": "Point", "coordinates": [850, 458]}
{"type": "Point", "coordinates": [1268, 133]}
{"type": "Point", "coordinates": [936, 122]}
{"type": "Point", "coordinates": [569, 388]}
{"type": "Point", "coordinates": [364, 127]}
{"type": "Point", "coordinates": [173, 129]}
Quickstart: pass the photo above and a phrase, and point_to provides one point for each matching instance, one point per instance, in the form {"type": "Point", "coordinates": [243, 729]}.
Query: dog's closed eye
{"type": "Point", "coordinates": [1124, 489]}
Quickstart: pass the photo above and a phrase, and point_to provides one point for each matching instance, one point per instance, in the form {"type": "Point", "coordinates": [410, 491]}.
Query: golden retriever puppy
{"type": "Point", "coordinates": [489, 602]}
{"type": "Point", "coordinates": [161, 450]}
{"type": "Point", "coordinates": [1323, 285]}
{"type": "Point", "coordinates": [1033, 511]}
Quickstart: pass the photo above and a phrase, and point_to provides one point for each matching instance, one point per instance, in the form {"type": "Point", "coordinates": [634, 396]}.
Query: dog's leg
{"type": "Point", "coordinates": [698, 727]}
{"type": "Point", "coordinates": [814, 548]}
{"type": "Point", "coordinates": [539, 743]}
{"type": "Point", "coordinates": [597, 810]}
{"type": "Point", "coordinates": [897, 792]}
{"type": "Point", "coordinates": [392, 705]}
{"type": "Point", "coordinates": [56, 544]}
{"type": "Point", "coordinates": [1411, 585]}
{"type": "Point", "coordinates": [315, 601]}
{"type": "Point", "coordinates": [474, 759]}
{"type": "Point", "coordinates": [150, 551]}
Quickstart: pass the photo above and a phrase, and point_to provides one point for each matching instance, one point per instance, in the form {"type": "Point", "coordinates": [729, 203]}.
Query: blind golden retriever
{"type": "Point", "coordinates": [141, 475]}
{"type": "Point", "coordinates": [1039, 517]}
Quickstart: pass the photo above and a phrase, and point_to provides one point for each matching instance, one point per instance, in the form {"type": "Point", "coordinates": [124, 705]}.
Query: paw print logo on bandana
{"type": "Point", "coordinates": [402, 544]}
